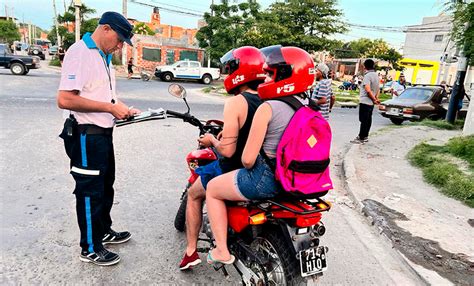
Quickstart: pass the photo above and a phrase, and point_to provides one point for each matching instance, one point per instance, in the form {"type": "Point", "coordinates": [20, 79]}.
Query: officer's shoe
{"type": "Point", "coordinates": [113, 237]}
{"type": "Point", "coordinates": [102, 257]}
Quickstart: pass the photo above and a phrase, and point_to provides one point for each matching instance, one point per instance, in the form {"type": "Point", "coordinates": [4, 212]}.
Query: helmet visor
{"type": "Point", "coordinates": [229, 62]}
{"type": "Point", "coordinates": [273, 55]}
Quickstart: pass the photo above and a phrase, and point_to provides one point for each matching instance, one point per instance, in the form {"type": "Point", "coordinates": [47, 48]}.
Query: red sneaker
{"type": "Point", "coordinates": [189, 261]}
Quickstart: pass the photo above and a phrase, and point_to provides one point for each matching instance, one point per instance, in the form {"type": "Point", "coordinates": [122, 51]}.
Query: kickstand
{"type": "Point", "coordinates": [224, 271]}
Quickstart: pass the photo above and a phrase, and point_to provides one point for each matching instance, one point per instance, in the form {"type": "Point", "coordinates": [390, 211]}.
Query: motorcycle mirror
{"type": "Point", "coordinates": [177, 90]}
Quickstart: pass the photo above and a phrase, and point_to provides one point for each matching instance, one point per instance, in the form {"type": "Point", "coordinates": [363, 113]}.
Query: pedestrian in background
{"type": "Point", "coordinates": [398, 86]}
{"type": "Point", "coordinates": [87, 89]}
{"type": "Point", "coordinates": [369, 93]}
{"type": "Point", "coordinates": [322, 93]}
{"type": "Point", "coordinates": [130, 68]}
{"type": "Point", "coordinates": [61, 54]}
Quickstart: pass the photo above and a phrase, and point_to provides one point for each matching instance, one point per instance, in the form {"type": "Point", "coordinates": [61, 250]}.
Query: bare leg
{"type": "Point", "coordinates": [196, 196]}
{"type": "Point", "coordinates": [220, 189]}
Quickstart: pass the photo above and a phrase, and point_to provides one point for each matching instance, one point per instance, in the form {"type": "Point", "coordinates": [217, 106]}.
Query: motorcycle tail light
{"type": "Point", "coordinates": [259, 218]}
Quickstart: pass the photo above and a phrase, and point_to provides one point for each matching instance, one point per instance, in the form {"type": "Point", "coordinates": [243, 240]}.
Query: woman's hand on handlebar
{"type": "Point", "coordinates": [206, 140]}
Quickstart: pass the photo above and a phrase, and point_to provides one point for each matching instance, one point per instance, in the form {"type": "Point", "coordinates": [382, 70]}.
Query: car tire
{"type": "Point", "coordinates": [17, 69]}
{"type": "Point", "coordinates": [167, 77]}
{"type": "Point", "coordinates": [396, 121]}
{"type": "Point", "coordinates": [26, 71]}
{"type": "Point", "coordinates": [206, 79]}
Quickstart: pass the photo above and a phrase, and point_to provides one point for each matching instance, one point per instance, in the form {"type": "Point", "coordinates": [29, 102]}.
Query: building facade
{"type": "Point", "coordinates": [168, 45]}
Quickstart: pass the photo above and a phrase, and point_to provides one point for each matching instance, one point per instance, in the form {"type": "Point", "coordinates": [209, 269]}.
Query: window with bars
{"type": "Point", "coordinates": [151, 54]}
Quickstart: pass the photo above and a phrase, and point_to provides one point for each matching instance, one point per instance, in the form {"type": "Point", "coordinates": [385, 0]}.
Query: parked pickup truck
{"type": "Point", "coordinates": [187, 70]}
{"type": "Point", "coordinates": [18, 65]}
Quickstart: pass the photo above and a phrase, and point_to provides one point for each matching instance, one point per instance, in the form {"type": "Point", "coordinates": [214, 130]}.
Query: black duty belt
{"type": "Point", "coordinates": [91, 129]}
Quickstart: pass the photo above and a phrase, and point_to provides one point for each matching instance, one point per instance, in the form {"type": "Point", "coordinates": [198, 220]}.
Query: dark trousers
{"type": "Point", "coordinates": [365, 118]}
{"type": "Point", "coordinates": [93, 170]}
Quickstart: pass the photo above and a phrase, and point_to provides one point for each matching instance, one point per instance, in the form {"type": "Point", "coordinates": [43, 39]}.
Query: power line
{"type": "Point", "coordinates": [179, 7]}
{"type": "Point", "coordinates": [168, 9]}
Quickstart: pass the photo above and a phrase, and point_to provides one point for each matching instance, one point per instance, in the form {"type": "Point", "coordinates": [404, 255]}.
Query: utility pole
{"type": "Point", "coordinates": [58, 39]}
{"type": "Point", "coordinates": [124, 48]}
{"type": "Point", "coordinates": [77, 4]}
{"type": "Point", "coordinates": [209, 54]}
{"type": "Point", "coordinates": [457, 94]}
{"type": "Point", "coordinates": [65, 7]}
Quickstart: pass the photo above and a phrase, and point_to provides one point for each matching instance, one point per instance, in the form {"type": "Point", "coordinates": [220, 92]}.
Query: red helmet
{"type": "Point", "coordinates": [291, 70]}
{"type": "Point", "coordinates": [244, 64]}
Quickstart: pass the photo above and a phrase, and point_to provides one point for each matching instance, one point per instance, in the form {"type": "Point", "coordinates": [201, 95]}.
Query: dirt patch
{"type": "Point", "coordinates": [427, 253]}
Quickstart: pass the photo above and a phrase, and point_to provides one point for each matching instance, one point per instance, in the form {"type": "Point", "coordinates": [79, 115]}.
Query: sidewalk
{"type": "Point", "coordinates": [430, 230]}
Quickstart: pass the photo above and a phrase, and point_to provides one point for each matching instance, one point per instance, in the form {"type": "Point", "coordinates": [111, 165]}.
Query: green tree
{"type": "Point", "coordinates": [463, 26]}
{"type": "Point", "coordinates": [9, 31]}
{"type": "Point", "coordinates": [142, 29]}
{"type": "Point", "coordinates": [307, 23]}
{"type": "Point", "coordinates": [303, 23]}
{"type": "Point", "coordinates": [227, 27]}
{"type": "Point", "coordinates": [87, 25]}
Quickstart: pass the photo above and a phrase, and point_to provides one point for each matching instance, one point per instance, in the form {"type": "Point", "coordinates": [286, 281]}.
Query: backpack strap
{"type": "Point", "coordinates": [291, 101]}
{"type": "Point", "coordinates": [296, 104]}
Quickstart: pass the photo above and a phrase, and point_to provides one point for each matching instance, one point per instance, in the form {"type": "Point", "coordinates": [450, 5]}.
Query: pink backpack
{"type": "Point", "coordinates": [302, 157]}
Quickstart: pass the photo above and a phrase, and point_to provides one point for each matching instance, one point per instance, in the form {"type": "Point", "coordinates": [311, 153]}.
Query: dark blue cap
{"type": "Point", "coordinates": [119, 24]}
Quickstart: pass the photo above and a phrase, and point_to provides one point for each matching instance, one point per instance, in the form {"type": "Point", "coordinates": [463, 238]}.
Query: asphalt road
{"type": "Point", "coordinates": [39, 233]}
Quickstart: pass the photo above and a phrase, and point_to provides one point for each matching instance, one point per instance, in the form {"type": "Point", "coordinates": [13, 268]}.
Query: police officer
{"type": "Point", "coordinates": [87, 89]}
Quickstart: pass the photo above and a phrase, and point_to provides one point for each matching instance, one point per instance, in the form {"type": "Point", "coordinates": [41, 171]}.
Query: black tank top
{"type": "Point", "coordinates": [235, 162]}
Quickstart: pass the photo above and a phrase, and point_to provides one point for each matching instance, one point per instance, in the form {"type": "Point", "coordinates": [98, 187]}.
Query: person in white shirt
{"type": "Point", "coordinates": [398, 86]}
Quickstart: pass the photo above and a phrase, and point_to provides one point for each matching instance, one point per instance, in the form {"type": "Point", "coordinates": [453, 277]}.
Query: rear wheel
{"type": "Point", "coordinates": [396, 121]}
{"type": "Point", "coordinates": [282, 267]}
{"type": "Point", "coordinates": [206, 79]}
{"type": "Point", "coordinates": [17, 69]}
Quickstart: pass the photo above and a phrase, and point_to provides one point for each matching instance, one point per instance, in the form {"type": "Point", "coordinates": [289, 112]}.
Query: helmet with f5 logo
{"type": "Point", "coordinates": [289, 71]}
{"type": "Point", "coordinates": [243, 66]}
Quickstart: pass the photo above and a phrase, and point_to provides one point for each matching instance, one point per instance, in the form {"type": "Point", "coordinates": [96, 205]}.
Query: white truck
{"type": "Point", "coordinates": [187, 70]}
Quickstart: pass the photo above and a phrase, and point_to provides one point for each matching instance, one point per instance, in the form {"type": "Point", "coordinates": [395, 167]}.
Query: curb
{"type": "Point", "coordinates": [351, 181]}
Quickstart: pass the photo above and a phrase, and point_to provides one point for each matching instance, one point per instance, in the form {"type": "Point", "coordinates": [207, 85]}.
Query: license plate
{"type": "Point", "coordinates": [313, 261]}
{"type": "Point", "coordinates": [393, 111]}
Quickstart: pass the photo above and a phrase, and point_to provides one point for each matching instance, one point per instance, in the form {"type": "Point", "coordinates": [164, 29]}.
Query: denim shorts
{"type": "Point", "coordinates": [257, 183]}
{"type": "Point", "coordinates": [209, 172]}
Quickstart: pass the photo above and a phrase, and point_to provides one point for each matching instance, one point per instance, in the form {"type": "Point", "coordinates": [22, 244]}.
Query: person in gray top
{"type": "Point", "coordinates": [369, 93]}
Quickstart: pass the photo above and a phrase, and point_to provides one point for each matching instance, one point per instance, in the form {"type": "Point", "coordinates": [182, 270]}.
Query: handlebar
{"type": "Point", "coordinates": [187, 118]}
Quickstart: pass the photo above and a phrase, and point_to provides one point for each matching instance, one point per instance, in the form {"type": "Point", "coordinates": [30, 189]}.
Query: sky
{"type": "Point", "coordinates": [368, 12]}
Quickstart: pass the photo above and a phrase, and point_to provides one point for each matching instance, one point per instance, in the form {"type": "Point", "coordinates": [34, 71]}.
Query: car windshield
{"type": "Point", "coordinates": [420, 94]}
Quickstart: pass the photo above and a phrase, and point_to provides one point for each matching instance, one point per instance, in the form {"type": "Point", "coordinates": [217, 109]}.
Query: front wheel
{"type": "Point", "coordinates": [167, 76]}
{"type": "Point", "coordinates": [282, 267]}
{"type": "Point", "coordinates": [180, 219]}
{"type": "Point", "coordinates": [17, 69]}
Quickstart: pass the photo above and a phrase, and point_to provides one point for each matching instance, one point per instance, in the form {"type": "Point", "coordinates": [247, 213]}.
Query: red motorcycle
{"type": "Point", "coordinates": [275, 241]}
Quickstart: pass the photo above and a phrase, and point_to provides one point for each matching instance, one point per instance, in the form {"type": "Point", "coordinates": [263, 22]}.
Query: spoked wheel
{"type": "Point", "coordinates": [281, 266]}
